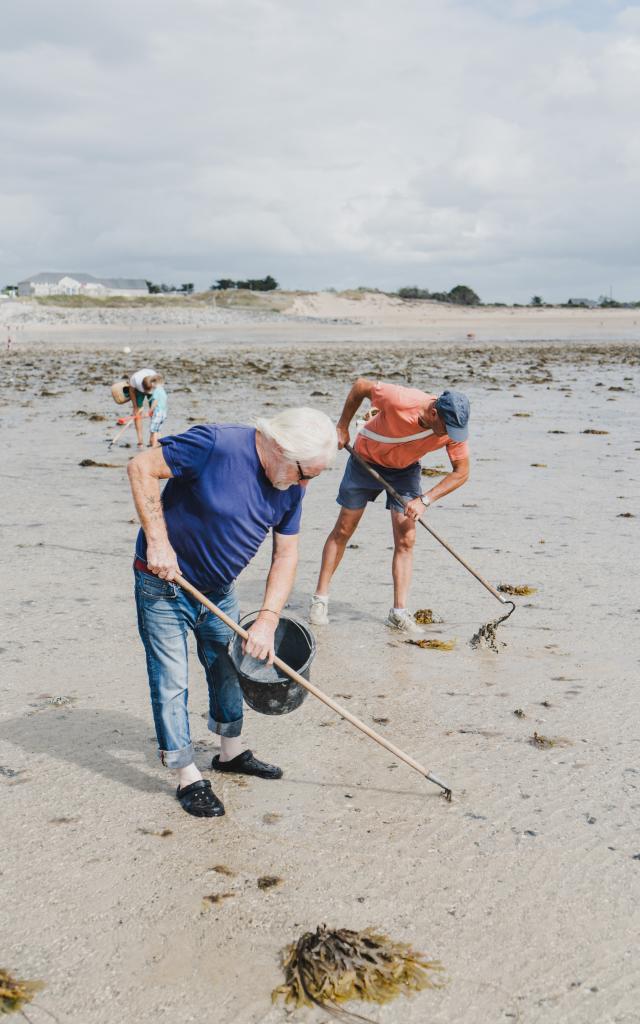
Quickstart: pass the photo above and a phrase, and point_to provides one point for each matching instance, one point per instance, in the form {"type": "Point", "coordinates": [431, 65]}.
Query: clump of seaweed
{"type": "Point", "coordinates": [425, 617]}
{"type": "Point", "coordinates": [591, 431]}
{"type": "Point", "coordinates": [433, 645]}
{"type": "Point", "coordinates": [328, 967]}
{"type": "Point", "coordinates": [487, 636]}
{"type": "Point", "coordinates": [268, 881]}
{"type": "Point", "coordinates": [538, 740]}
{"type": "Point", "coordinates": [222, 869]}
{"type": "Point", "coordinates": [518, 591]}
{"type": "Point", "coordinates": [99, 465]}
{"type": "Point", "coordinates": [433, 471]}
{"type": "Point", "coordinates": [16, 992]}
{"type": "Point", "coordinates": [519, 713]}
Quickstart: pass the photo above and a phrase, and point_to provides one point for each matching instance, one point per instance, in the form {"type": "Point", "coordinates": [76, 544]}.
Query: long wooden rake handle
{"type": "Point", "coordinates": [398, 497]}
{"type": "Point", "coordinates": [297, 678]}
{"type": "Point", "coordinates": [121, 432]}
{"type": "Point", "coordinates": [130, 420]}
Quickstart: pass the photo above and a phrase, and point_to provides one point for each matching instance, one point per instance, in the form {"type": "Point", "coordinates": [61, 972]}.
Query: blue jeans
{"type": "Point", "coordinates": [166, 614]}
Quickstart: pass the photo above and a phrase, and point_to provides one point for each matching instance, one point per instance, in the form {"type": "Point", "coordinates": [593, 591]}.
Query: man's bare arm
{"type": "Point", "coordinates": [145, 473]}
{"type": "Point", "coordinates": [284, 561]}
{"type": "Point", "coordinates": [361, 389]}
{"type": "Point", "coordinates": [449, 483]}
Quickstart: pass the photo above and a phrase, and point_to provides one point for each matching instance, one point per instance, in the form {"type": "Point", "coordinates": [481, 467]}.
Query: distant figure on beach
{"type": "Point", "coordinates": [159, 404]}
{"type": "Point", "coordinates": [140, 387]}
{"type": "Point", "coordinates": [228, 487]}
{"type": "Point", "coordinates": [408, 424]}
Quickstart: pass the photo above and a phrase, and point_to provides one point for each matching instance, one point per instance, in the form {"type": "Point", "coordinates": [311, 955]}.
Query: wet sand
{"type": "Point", "coordinates": [526, 887]}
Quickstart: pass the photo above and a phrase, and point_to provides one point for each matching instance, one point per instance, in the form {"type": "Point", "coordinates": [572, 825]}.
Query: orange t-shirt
{"type": "Point", "coordinates": [398, 417]}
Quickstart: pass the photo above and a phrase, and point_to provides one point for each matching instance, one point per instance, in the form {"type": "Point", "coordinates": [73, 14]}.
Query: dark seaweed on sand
{"type": "Point", "coordinates": [328, 967]}
{"type": "Point", "coordinates": [268, 881]}
{"type": "Point", "coordinates": [424, 616]}
{"type": "Point", "coordinates": [99, 465]}
{"type": "Point", "coordinates": [487, 637]}
{"type": "Point", "coordinates": [522, 590]}
{"type": "Point", "coordinates": [546, 742]}
{"type": "Point", "coordinates": [433, 645]}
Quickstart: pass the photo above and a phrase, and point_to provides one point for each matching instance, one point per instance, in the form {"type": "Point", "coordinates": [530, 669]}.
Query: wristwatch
{"type": "Point", "coordinates": [425, 501]}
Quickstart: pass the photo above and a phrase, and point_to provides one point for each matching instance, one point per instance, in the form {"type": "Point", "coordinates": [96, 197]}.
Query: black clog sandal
{"type": "Point", "coordinates": [246, 764]}
{"type": "Point", "coordinates": [200, 800]}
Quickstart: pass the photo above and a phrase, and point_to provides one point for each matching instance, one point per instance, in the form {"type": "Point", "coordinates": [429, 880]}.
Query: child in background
{"type": "Point", "coordinates": [138, 391]}
{"type": "Point", "coordinates": [158, 398]}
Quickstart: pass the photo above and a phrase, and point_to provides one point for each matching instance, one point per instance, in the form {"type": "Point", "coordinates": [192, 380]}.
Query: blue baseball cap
{"type": "Point", "coordinates": [453, 409]}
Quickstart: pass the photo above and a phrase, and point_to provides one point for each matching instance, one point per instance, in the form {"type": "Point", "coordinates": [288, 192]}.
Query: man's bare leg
{"type": "Point", "coordinates": [335, 544]}
{"type": "Point", "coordinates": [404, 538]}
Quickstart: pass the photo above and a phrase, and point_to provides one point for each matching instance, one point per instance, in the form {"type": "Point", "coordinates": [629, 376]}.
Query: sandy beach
{"type": "Point", "coordinates": [527, 886]}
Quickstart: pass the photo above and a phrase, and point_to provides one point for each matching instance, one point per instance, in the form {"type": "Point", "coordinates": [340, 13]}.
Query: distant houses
{"type": "Point", "coordinates": [81, 284]}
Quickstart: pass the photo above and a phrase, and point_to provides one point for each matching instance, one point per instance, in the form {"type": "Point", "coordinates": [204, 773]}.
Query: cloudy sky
{"type": "Point", "coordinates": [331, 143]}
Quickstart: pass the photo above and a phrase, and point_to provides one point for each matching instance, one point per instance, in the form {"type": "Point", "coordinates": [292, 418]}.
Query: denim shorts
{"type": "Point", "coordinates": [166, 616]}
{"type": "Point", "coordinates": [358, 487]}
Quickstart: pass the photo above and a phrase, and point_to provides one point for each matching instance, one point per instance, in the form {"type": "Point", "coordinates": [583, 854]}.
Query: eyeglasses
{"type": "Point", "coordinates": [302, 476]}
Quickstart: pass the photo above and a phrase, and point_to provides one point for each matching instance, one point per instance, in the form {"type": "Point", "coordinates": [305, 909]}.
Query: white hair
{"type": "Point", "coordinates": [304, 435]}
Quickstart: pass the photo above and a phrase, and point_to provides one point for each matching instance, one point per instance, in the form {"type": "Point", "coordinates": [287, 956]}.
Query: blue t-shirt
{"type": "Point", "coordinates": [159, 395]}
{"type": "Point", "coordinates": [219, 505]}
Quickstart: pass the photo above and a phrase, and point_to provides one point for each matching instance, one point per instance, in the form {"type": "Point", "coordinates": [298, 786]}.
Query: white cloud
{"type": "Point", "coordinates": [328, 144]}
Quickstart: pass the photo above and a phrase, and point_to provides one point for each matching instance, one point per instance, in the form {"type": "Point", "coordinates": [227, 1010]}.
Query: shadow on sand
{"type": "Point", "coordinates": [107, 743]}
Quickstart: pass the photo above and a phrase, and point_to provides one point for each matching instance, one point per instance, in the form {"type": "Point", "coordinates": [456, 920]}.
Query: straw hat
{"type": "Point", "coordinates": [120, 391]}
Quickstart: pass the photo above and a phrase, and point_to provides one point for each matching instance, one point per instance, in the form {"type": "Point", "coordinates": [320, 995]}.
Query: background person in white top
{"type": "Point", "coordinates": [408, 424]}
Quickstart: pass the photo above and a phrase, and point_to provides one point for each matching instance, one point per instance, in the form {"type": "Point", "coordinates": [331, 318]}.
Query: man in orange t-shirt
{"type": "Point", "coordinates": [407, 425]}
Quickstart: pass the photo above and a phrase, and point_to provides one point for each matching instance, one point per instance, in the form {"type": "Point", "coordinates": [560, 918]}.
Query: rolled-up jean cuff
{"type": "Point", "coordinates": [225, 728]}
{"type": "Point", "coordinates": [177, 758]}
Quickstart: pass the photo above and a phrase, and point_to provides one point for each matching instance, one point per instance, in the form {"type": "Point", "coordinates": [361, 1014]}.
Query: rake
{"type": "Point", "coordinates": [487, 632]}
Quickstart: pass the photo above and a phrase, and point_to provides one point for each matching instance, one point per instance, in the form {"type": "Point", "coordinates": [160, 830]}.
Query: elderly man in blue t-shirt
{"type": "Point", "coordinates": [229, 485]}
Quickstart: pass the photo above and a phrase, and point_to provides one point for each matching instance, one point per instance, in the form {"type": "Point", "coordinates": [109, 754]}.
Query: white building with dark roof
{"type": "Point", "coordinates": [81, 284]}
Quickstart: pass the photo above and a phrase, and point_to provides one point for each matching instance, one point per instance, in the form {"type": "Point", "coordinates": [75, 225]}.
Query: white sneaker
{"type": "Point", "coordinates": [319, 611]}
{"type": "Point", "coordinates": [404, 622]}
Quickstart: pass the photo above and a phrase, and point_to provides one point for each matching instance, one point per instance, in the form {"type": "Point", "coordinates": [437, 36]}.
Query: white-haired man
{"type": "Point", "coordinates": [228, 486]}
{"type": "Point", "coordinates": [407, 424]}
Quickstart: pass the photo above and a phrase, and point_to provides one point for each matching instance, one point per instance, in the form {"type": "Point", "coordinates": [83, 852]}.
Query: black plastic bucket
{"type": "Point", "coordinates": [265, 688]}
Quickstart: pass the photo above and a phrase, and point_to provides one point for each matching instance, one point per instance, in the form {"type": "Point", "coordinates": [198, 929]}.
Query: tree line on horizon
{"type": "Point", "coordinates": [461, 295]}
{"type": "Point", "coordinates": [252, 284]}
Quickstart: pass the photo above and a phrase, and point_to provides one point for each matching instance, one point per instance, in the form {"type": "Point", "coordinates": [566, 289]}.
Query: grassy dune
{"type": "Point", "coordinates": [275, 301]}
